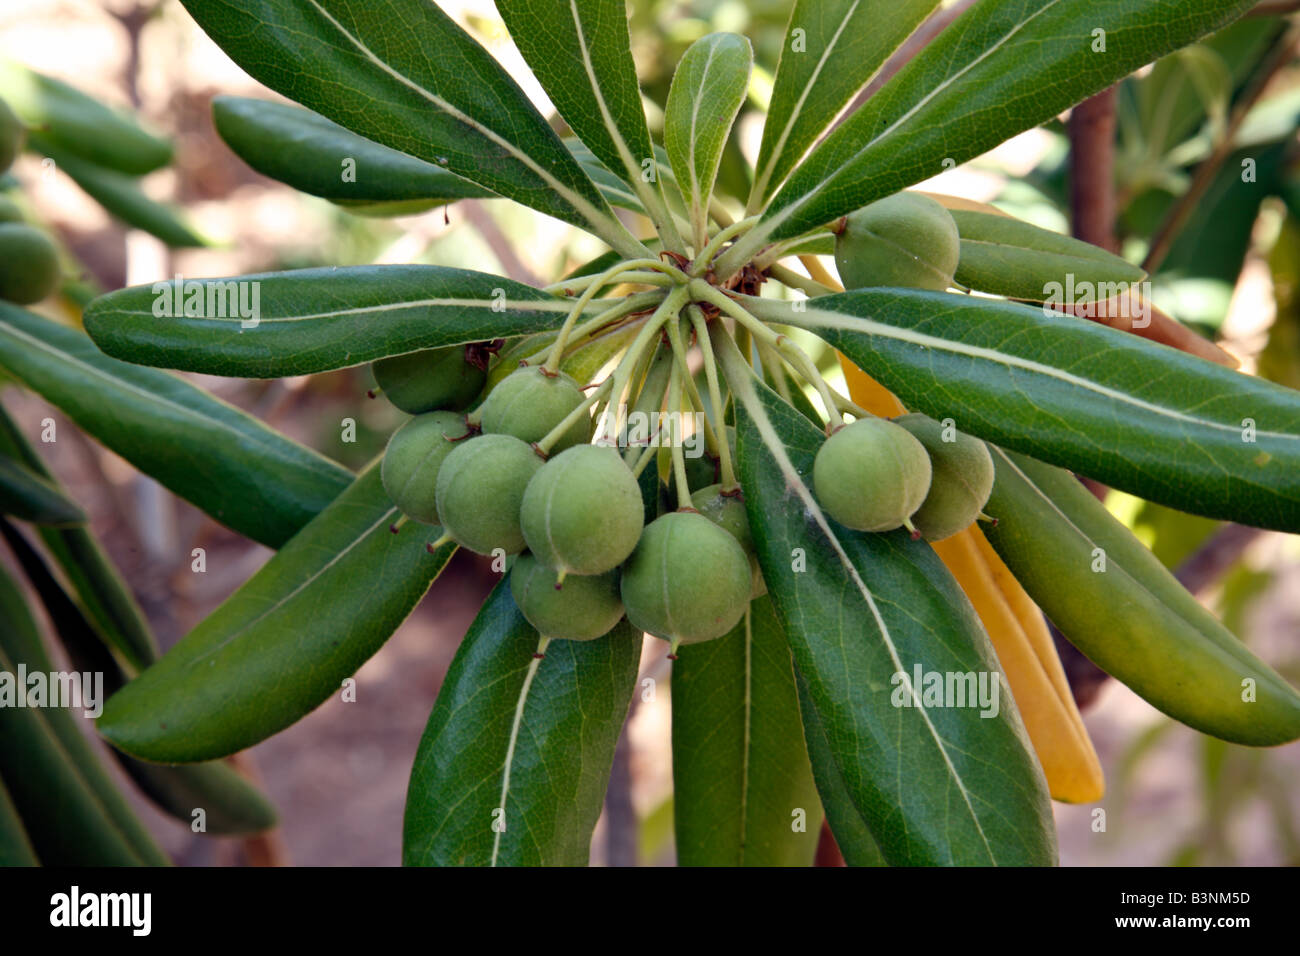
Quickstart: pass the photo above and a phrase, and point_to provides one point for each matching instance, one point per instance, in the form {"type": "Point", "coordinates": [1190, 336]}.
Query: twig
{"type": "Point", "coordinates": [1092, 170]}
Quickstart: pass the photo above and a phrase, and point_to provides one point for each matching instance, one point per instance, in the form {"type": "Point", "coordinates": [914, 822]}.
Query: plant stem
{"type": "Point", "coordinates": [679, 458]}
{"type": "Point", "coordinates": [602, 323]}
{"type": "Point", "coordinates": [692, 390]}
{"type": "Point", "coordinates": [552, 364]}
{"type": "Point", "coordinates": [705, 257]}
{"type": "Point", "coordinates": [728, 474]}
{"type": "Point", "coordinates": [795, 281]}
{"type": "Point", "coordinates": [556, 433]}
{"type": "Point", "coordinates": [667, 311]}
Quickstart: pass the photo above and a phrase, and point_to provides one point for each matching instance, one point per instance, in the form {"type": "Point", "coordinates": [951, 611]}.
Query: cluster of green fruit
{"type": "Point", "coordinates": [519, 475]}
{"type": "Point", "coordinates": [29, 260]}
{"type": "Point", "coordinates": [912, 472]}
{"type": "Point", "coordinates": [575, 517]}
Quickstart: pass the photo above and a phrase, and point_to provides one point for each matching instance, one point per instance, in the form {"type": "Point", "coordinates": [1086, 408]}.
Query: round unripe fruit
{"type": "Point", "coordinates": [480, 488]}
{"type": "Point", "coordinates": [582, 512]}
{"type": "Point", "coordinates": [906, 240]}
{"type": "Point", "coordinates": [962, 477]}
{"type": "Point", "coordinates": [687, 581]}
{"type": "Point", "coordinates": [12, 134]}
{"type": "Point", "coordinates": [584, 609]}
{"type": "Point", "coordinates": [430, 380]}
{"type": "Point", "coordinates": [528, 404]}
{"type": "Point", "coordinates": [412, 459]}
{"type": "Point", "coordinates": [29, 264]}
{"type": "Point", "coordinates": [871, 475]}
{"type": "Point", "coordinates": [728, 513]}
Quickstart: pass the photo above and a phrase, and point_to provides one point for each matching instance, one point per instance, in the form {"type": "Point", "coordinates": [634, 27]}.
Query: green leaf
{"type": "Point", "coordinates": [65, 817]}
{"type": "Point", "coordinates": [1142, 417]}
{"type": "Point", "coordinates": [27, 495]}
{"type": "Point", "coordinates": [707, 90]}
{"type": "Point", "coordinates": [1118, 604]}
{"type": "Point", "coordinates": [48, 761]}
{"type": "Point", "coordinates": [1002, 67]}
{"type": "Point", "coordinates": [424, 87]}
{"type": "Point", "coordinates": [1014, 258]}
{"type": "Point", "coordinates": [120, 194]}
{"type": "Point", "coordinates": [240, 472]}
{"type": "Point", "coordinates": [863, 613]}
{"type": "Point", "coordinates": [314, 320]}
{"type": "Point", "coordinates": [520, 741]}
{"type": "Point", "coordinates": [581, 53]}
{"type": "Point", "coordinates": [283, 643]}
{"type": "Point", "coordinates": [78, 123]}
{"type": "Point", "coordinates": [310, 153]}
{"type": "Point", "coordinates": [832, 48]}
{"type": "Point", "coordinates": [852, 834]}
{"type": "Point", "coordinates": [230, 803]}
{"type": "Point", "coordinates": [741, 778]}
{"type": "Point", "coordinates": [15, 846]}
{"type": "Point", "coordinates": [104, 596]}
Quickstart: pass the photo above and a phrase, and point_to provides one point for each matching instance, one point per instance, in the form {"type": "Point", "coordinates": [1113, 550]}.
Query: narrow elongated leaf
{"type": "Point", "coordinates": [743, 791]}
{"type": "Point", "coordinates": [242, 473]}
{"type": "Point", "coordinates": [705, 96]}
{"type": "Point", "coordinates": [60, 770]}
{"type": "Point", "coordinates": [65, 818]}
{"type": "Point", "coordinates": [581, 53]}
{"type": "Point", "coordinates": [514, 762]}
{"type": "Point", "coordinates": [79, 123]}
{"type": "Point", "coordinates": [15, 845]}
{"type": "Point", "coordinates": [1119, 605]}
{"type": "Point", "coordinates": [1002, 67]}
{"type": "Point", "coordinates": [873, 621]}
{"type": "Point", "coordinates": [29, 496]}
{"type": "Point", "coordinates": [832, 48]}
{"type": "Point", "coordinates": [314, 320]}
{"type": "Point", "coordinates": [103, 595]}
{"type": "Point", "coordinates": [1006, 256]}
{"type": "Point", "coordinates": [424, 87]}
{"type": "Point", "coordinates": [121, 195]}
{"type": "Point", "coordinates": [1139, 416]}
{"type": "Point", "coordinates": [852, 835]}
{"type": "Point", "coordinates": [230, 804]}
{"type": "Point", "coordinates": [283, 643]}
{"type": "Point", "coordinates": [304, 150]}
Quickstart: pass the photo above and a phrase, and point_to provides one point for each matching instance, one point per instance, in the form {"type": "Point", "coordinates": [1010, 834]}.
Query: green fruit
{"type": "Point", "coordinates": [687, 581]}
{"type": "Point", "coordinates": [430, 380]}
{"type": "Point", "coordinates": [962, 477]}
{"type": "Point", "coordinates": [871, 475]}
{"type": "Point", "coordinates": [413, 458]}
{"type": "Point", "coordinates": [480, 488]}
{"type": "Point", "coordinates": [584, 609]}
{"type": "Point", "coordinates": [29, 264]}
{"type": "Point", "coordinates": [582, 512]}
{"type": "Point", "coordinates": [905, 240]}
{"type": "Point", "coordinates": [528, 404]}
{"type": "Point", "coordinates": [12, 134]}
{"type": "Point", "coordinates": [728, 513]}
{"type": "Point", "coordinates": [9, 211]}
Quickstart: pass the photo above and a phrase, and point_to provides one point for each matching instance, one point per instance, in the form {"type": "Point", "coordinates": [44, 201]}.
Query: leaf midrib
{"type": "Point", "coordinates": [848, 323]}
{"type": "Point", "coordinates": [745, 389]}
